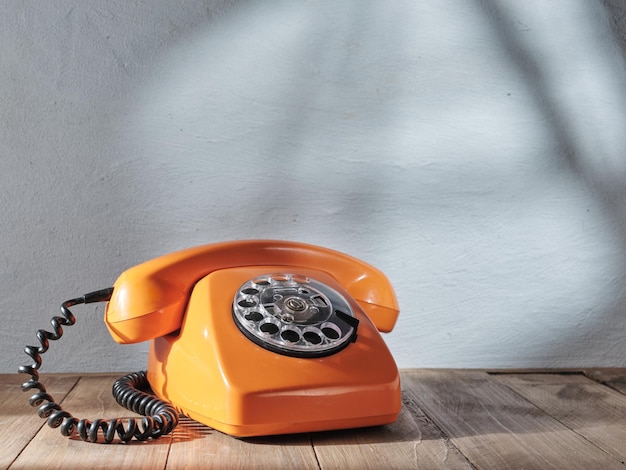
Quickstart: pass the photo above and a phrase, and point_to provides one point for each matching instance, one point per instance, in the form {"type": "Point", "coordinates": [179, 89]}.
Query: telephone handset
{"type": "Point", "coordinates": [249, 337]}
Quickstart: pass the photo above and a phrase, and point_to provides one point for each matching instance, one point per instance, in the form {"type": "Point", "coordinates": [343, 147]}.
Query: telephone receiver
{"type": "Point", "coordinates": [254, 337]}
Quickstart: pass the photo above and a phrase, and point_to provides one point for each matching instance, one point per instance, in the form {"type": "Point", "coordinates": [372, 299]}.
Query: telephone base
{"type": "Point", "coordinates": [243, 431]}
{"type": "Point", "coordinates": [216, 375]}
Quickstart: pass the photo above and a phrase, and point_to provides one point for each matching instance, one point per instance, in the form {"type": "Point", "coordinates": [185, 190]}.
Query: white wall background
{"type": "Point", "coordinates": [474, 151]}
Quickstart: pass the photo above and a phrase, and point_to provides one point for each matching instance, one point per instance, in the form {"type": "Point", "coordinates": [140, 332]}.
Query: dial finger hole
{"type": "Point", "coordinates": [254, 316]}
{"type": "Point", "coordinates": [312, 335]}
{"type": "Point", "coordinates": [331, 331]}
{"type": "Point", "coordinates": [247, 302]}
{"type": "Point", "coordinates": [289, 335]}
{"type": "Point", "coordinates": [269, 328]}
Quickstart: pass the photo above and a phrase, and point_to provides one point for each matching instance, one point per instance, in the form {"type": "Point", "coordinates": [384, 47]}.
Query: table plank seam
{"type": "Point", "coordinates": [41, 425]}
{"type": "Point", "coordinates": [419, 415]}
{"type": "Point", "coordinates": [556, 418]}
{"type": "Point", "coordinates": [315, 454]}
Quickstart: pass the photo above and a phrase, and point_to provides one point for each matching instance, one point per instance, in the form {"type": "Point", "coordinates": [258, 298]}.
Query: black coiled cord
{"type": "Point", "coordinates": [130, 391]}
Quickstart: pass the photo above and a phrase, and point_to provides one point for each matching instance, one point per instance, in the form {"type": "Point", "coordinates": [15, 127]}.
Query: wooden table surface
{"type": "Point", "coordinates": [453, 419]}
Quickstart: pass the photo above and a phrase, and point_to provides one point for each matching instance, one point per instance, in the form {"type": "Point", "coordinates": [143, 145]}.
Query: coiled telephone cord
{"type": "Point", "coordinates": [130, 391]}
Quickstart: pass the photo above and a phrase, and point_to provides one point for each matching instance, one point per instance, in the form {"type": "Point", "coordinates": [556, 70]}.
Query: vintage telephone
{"type": "Point", "coordinates": [248, 337]}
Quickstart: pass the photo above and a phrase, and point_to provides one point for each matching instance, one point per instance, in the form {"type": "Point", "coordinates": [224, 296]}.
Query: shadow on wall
{"type": "Point", "coordinates": [301, 142]}
{"type": "Point", "coordinates": [598, 162]}
{"type": "Point", "coordinates": [264, 139]}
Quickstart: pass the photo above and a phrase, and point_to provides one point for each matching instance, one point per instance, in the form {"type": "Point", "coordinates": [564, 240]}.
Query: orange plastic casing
{"type": "Point", "coordinates": [205, 366]}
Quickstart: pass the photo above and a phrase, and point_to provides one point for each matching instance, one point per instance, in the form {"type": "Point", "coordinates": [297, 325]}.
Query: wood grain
{"type": "Point", "coordinates": [451, 419]}
{"type": "Point", "coordinates": [18, 414]}
{"type": "Point", "coordinates": [196, 446]}
{"type": "Point", "coordinates": [91, 398]}
{"type": "Point", "coordinates": [614, 378]}
{"type": "Point", "coordinates": [495, 427]}
{"type": "Point", "coordinates": [413, 441]}
{"type": "Point", "coordinates": [592, 410]}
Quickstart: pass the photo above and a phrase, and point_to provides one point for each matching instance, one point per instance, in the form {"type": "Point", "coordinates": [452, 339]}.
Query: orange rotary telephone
{"type": "Point", "coordinates": [248, 337]}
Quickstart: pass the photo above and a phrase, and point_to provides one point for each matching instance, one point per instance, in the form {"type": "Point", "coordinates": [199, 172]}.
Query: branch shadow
{"type": "Point", "coordinates": [608, 188]}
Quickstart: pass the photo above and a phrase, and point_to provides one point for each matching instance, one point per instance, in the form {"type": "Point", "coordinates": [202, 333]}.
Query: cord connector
{"type": "Point", "coordinates": [102, 295]}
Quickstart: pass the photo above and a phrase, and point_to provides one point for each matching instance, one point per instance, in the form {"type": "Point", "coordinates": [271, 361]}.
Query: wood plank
{"type": "Point", "coordinates": [614, 378]}
{"type": "Point", "coordinates": [498, 421]}
{"type": "Point", "coordinates": [592, 410]}
{"type": "Point", "coordinates": [495, 427]}
{"type": "Point", "coordinates": [19, 421]}
{"type": "Point", "coordinates": [197, 446]}
{"type": "Point", "coordinates": [91, 398]}
{"type": "Point", "coordinates": [413, 441]}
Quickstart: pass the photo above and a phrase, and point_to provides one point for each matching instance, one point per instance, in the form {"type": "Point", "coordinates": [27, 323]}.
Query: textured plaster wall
{"type": "Point", "coordinates": [472, 150]}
